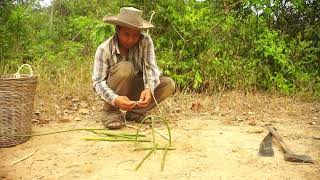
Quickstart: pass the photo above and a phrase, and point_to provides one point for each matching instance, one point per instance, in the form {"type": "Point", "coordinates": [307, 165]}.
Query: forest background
{"type": "Point", "coordinates": [205, 46]}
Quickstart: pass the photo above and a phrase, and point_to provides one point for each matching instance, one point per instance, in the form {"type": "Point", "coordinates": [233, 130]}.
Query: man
{"type": "Point", "coordinates": [125, 73]}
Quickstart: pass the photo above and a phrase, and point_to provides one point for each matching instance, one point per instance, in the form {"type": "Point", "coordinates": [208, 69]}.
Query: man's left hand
{"type": "Point", "coordinates": [145, 98]}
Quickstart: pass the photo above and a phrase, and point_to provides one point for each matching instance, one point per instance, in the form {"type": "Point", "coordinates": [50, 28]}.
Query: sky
{"type": "Point", "coordinates": [45, 3]}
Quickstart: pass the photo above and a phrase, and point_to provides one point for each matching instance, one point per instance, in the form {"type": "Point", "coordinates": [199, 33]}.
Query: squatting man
{"type": "Point", "coordinates": [125, 72]}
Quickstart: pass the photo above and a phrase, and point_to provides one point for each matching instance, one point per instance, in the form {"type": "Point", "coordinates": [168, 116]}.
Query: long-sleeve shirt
{"type": "Point", "coordinates": [141, 55]}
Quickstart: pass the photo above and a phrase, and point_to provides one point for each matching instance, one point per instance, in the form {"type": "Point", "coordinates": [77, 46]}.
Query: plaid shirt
{"type": "Point", "coordinates": [108, 54]}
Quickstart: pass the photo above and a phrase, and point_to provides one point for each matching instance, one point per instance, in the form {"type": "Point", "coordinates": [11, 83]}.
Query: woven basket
{"type": "Point", "coordinates": [17, 93]}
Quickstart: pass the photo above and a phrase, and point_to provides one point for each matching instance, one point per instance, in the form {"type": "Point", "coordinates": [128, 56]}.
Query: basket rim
{"type": "Point", "coordinates": [22, 76]}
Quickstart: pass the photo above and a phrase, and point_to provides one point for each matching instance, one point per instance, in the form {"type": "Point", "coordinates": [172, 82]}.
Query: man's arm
{"type": "Point", "coordinates": [99, 76]}
{"type": "Point", "coordinates": [151, 71]}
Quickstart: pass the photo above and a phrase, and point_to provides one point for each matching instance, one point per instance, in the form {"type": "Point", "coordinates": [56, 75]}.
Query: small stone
{"type": "Point", "coordinates": [238, 119]}
{"type": "Point", "coordinates": [74, 108]}
{"type": "Point", "coordinates": [235, 150]}
{"type": "Point", "coordinates": [56, 106]}
{"type": "Point", "coordinates": [255, 130]}
{"type": "Point", "coordinates": [316, 137]}
{"type": "Point", "coordinates": [177, 110]}
{"type": "Point", "coordinates": [66, 111]}
{"type": "Point", "coordinates": [84, 111]}
{"type": "Point", "coordinates": [65, 118]}
{"type": "Point", "coordinates": [77, 119]}
{"type": "Point", "coordinates": [83, 104]}
{"type": "Point", "coordinates": [75, 100]}
{"type": "Point", "coordinates": [312, 123]}
{"type": "Point", "coordinates": [252, 123]}
{"type": "Point", "coordinates": [37, 113]}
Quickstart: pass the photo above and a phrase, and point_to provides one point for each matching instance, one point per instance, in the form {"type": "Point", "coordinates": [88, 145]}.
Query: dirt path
{"type": "Point", "coordinates": [216, 139]}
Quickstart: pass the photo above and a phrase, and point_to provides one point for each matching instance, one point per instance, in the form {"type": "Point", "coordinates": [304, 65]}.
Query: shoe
{"type": "Point", "coordinates": [112, 120]}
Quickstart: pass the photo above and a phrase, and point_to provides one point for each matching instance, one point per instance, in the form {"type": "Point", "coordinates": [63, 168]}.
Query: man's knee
{"type": "Point", "coordinates": [125, 70]}
{"type": "Point", "coordinates": [169, 85]}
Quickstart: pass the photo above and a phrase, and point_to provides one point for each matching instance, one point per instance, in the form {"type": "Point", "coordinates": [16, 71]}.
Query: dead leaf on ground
{"type": "Point", "coordinates": [65, 118]}
{"type": "Point", "coordinates": [196, 106]}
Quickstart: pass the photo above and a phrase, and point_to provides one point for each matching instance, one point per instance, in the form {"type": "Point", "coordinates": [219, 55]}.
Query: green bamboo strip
{"type": "Point", "coordinates": [138, 130]}
{"type": "Point", "coordinates": [124, 135]}
{"type": "Point", "coordinates": [145, 157]}
{"type": "Point", "coordinates": [153, 135]}
{"type": "Point", "coordinates": [164, 158]}
{"type": "Point", "coordinates": [168, 128]}
{"type": "Point", "coordinates": [113, 139]}
{"type": "Point", "coordinates": [158, 148]}
{"type": "Point", "coordinates": [55, 132]}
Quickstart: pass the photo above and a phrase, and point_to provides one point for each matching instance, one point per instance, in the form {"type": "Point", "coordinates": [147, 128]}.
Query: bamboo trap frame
{"type": "Point", "coordinates": [155, 147]}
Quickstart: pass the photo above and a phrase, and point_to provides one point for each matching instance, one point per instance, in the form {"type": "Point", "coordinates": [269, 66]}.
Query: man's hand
{"type": "Point", "coordinates": [124, 103]}
{"type": "Point", "coordinates": [145, 98]}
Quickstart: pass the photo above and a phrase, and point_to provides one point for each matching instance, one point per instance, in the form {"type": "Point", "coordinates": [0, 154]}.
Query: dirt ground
{"type": "Point", "coordinates": [216, 137]}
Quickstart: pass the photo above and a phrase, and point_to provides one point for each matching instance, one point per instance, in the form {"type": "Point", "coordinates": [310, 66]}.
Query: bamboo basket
{"type": "Point", "coordinates": [17, 93]}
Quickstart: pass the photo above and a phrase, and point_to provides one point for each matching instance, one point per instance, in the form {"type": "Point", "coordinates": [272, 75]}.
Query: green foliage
{"type": "Point", "coordinates": [203, 45]}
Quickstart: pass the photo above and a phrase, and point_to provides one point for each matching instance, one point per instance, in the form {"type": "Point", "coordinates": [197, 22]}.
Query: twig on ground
{"type": "Point", "coordinates": [24, 158]}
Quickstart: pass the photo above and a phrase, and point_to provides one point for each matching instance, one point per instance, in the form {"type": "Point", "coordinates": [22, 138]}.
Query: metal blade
{"type": "Point", "coordinates": [265, 149]}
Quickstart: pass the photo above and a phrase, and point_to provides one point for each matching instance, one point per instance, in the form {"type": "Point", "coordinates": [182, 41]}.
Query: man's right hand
{"type": "Point", "coordinates": [124, 103]}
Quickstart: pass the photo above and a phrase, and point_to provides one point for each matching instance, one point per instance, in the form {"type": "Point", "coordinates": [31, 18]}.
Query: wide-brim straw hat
{"type": "Point", "coordinates": [129, 17]}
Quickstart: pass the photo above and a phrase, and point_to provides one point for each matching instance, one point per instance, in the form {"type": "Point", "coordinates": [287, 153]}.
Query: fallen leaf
{"type": "Point", "coordinates": [65, 118]}
{"type": "Point", "coordinates": [196, 106]}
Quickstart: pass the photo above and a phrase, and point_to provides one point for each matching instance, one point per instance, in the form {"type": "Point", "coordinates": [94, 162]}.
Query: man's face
{"type": "Point", "coordinates": [128, 37]}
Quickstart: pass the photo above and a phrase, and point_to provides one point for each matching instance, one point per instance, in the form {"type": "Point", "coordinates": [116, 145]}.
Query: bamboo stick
{"type": "Point", "coordinates": [158, 148]}
{"type": "Point", "coordinates": [164, 158]}
{"type": "Point", "coordinates": [56, 132]}
{"type": "Point", "coordinates": [153, 136]}
{"type": "Point", "coordinates": [113, 139]}
{"type": "Point", "coordinates": [145, 157]}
